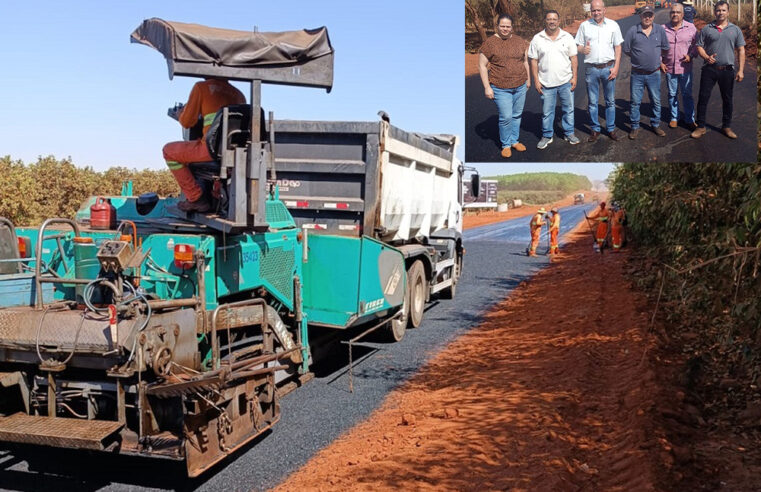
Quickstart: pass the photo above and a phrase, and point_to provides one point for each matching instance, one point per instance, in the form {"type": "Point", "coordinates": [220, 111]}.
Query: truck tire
{"type": "Point", "coordinates": [417, 288]}
{"type": "Point", "coordinates": [398, 326]}
{"type": "Point", "coordinates": [450, 291]}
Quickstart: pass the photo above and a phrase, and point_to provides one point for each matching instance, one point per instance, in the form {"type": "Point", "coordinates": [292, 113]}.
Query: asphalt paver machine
{"type": "Point", "coordinates": [172, 335]}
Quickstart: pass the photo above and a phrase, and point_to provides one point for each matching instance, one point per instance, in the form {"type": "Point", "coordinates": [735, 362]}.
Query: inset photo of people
{"type": "Point", "coordinates": [610, 80]}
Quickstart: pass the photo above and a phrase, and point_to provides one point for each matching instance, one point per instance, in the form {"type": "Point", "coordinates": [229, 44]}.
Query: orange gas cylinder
{"type": "Point", "coordinates": [102, 214]}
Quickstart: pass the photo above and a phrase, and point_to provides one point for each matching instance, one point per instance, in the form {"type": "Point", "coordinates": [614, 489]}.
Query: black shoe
{"type": "Point", "coordinates": [201, 205]}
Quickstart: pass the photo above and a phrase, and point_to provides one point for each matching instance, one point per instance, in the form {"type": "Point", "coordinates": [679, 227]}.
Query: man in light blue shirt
{"type": "Point", "coordinates": [600, 40]}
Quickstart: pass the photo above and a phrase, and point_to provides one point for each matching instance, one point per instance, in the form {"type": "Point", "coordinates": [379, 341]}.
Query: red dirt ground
{"type": "Point", "coordinates": [551, 392]}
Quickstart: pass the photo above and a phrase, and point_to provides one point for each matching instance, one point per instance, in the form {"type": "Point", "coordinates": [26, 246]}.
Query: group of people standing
{"type": "Point", "coordinates": [613, 217]}
{"type": "Point", "coordinates": [508, 64]}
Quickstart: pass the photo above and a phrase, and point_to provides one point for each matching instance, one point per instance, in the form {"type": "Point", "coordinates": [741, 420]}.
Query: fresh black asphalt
{"type": "Point", "coordinates": [316, 414]}
{"type": "Point", "coordinates": [482, 135]}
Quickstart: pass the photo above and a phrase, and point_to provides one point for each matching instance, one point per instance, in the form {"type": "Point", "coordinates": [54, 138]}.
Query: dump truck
{"type": "Point", "coordinates": [174, 335]}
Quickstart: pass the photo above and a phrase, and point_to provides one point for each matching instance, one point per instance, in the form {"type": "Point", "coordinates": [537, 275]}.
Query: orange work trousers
{"type": "Point", "coordinates": [535, 233]}
{"type": "Point", "coordinates": [602, 231]}
{"type": "Point", "coordinates": [554, 249]}
{"type": "Point", "coordinates": [178, 155]}
{"type": "Point", "coordinates": [617, 234]}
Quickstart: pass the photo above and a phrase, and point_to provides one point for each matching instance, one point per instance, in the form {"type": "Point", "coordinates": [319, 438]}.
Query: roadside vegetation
{"type": "Point", "coordinates": [57, 188]}
{"type": "Point", "coordinates": [698, 234]}
{"type": "Point", "coordinates": [481, 16]}
{"type": "Point", "coordinates": [539, 188]}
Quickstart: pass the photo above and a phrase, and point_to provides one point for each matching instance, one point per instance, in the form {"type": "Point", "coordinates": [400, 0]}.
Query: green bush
{"type": "Point", "coordinates": [29, 194]}
{"type": "Point", "coordinates": [698, 228]}
{"type": "Point", "coordinates": [531, 197]}
{"type": "Point", "coordinates": [563, 182]}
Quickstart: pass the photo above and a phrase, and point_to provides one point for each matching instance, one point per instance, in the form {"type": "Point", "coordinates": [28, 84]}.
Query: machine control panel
{"type": "Point", "coordinates": [114, 256]}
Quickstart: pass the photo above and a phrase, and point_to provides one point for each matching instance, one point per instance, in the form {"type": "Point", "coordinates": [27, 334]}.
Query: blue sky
{"type": "Point", "coordinates": [73, 85]}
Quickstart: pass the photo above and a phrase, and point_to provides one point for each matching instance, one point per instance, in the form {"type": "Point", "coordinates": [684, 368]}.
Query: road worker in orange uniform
{"type": "Point", "coordinates": [617, 219]}
{"type": "Point", "coordinates": [206, 98]}
{"type": "Point", "coordinates": [537, 221]}
{"type": "Point", "coordinates": [554, 230]}
{"type": "Point", "coordinates": [601, 215]}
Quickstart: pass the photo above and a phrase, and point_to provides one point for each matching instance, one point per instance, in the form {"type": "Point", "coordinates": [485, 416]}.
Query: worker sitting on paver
{"type": "Point", "coordinates": [617, 222]}
{"type": "Point", "coordinates": [206, 98]}
{"type": "Point", "coordinates": [554, 229]}
{"type": "Point", "coordinates": [602, 215]}
{"type": "Point", "coordinates": [537, 221]}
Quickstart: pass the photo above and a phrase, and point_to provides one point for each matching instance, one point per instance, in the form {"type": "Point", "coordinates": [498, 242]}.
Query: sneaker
{"type": "Point", "coordinates": [572, 139]}
{"type": "Point", "coordinates": [672, 124]}
{"type": "Point", "coordinates": [728, 132]}
{"type": "Point", "coordinates": [633, 134]}
{"type": "Point", "coordinates": [519, 147]}
{"type": "Point", "coordinates": [659, 131]}
{"type": "Point", "coordinates": [699, 132]}
{"type": "Point", "coordinates": [543, 143]}
{"type": "Point", "coordinates": [506, 152]}
{"type": "Point", "coordinates": [201, 205]}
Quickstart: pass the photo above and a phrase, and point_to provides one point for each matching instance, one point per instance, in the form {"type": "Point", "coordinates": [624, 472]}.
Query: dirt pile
{"type": "Point", "coordinates": [554, 391]}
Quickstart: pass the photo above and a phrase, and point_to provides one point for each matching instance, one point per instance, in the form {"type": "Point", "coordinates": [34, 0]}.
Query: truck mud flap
{"type": "Point", "coordinates": [58, 432]}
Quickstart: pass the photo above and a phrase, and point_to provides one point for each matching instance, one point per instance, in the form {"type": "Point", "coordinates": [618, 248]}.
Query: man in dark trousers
{"type": "Point", "coordinates": [717, 44]}
{"type": "Point", "coordinates": [645, 43]}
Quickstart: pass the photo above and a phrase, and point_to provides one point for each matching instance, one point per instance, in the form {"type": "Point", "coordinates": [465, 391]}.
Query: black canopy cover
{"type": "Point", "coordinates": [303, 58]}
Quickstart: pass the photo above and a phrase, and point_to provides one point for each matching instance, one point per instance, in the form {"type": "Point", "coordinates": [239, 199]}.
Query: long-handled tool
{"type": "Point", "coordinates": [591, 231]}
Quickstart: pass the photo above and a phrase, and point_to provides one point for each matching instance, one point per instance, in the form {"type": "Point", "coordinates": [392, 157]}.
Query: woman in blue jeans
{"type": "Point", "coordinates": [503, 65]}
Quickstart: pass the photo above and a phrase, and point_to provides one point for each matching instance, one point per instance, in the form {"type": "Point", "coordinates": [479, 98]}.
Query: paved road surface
{"type": "Point", "coordinates": [482, 137]}
{"type": "Point", "coordinates": [316, 414]}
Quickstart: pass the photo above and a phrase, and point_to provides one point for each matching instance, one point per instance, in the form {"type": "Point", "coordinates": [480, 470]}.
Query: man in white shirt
{"type": "Point", "coordinates": [552, 53]}
{"type": "Point", "coordinates": [600, 40]}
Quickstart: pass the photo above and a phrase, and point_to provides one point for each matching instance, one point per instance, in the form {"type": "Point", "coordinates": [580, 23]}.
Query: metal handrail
{"type": "Point", "coordinates": [214, 342]}
{"type": "Point", "coordinates": [9, 225]}
{"type": "Point", "coordinates": [39, 301]}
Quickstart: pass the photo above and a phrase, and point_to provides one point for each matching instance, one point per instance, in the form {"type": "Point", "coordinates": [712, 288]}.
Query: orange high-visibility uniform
{"type": "Point", "coordinates": [617, 229]}
{"type": "Point", "coordinates": [554, 230]}
{"type": "Point", "coordinates": [602, 215]}
{"type": "Point", "coordinates": [536, 230]}
{"type": "Point", "coordinates": [206, 98]}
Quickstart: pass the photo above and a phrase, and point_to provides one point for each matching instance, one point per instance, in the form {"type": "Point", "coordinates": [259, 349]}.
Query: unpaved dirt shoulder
{"type": "Point", "coordinates": [550, 392]}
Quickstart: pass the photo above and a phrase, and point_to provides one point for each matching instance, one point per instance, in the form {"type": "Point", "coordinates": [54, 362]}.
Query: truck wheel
{"type": "Point", "coordinates": [450, 291]}
{"type": "Point", "coordinates": [398, 326]}
{"type": "Point", "coordinates": [416, 285]}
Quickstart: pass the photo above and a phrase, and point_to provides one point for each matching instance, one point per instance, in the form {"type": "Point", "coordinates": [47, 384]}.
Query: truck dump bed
{"type": "Point", "coordinates": [367, 178]}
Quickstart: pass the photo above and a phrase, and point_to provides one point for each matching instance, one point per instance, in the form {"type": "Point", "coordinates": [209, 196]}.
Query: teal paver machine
{"type": "Point", "coordinates": [173, 335]}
